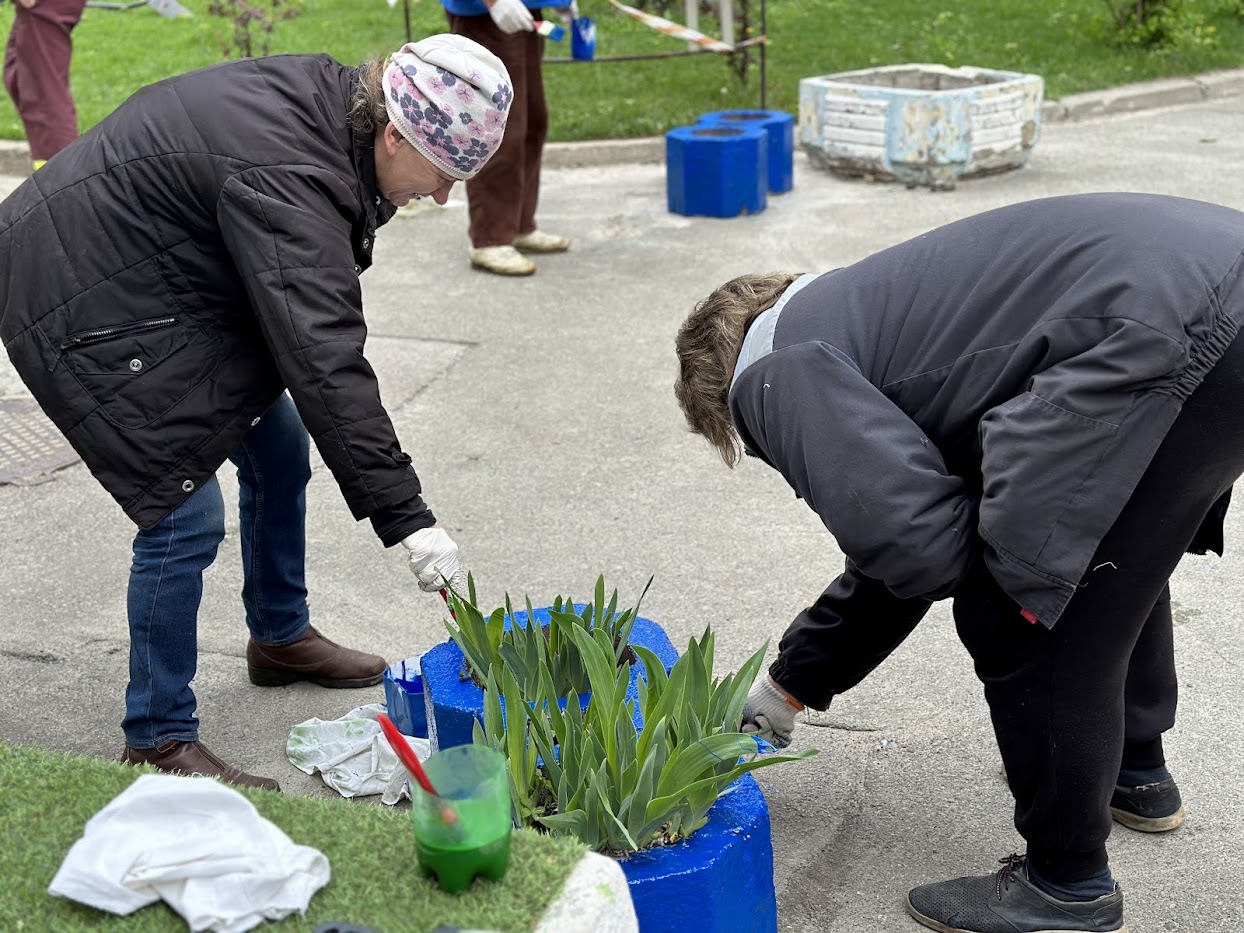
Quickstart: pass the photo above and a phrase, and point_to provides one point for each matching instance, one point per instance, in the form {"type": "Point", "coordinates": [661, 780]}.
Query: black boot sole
{"type": "Point", "coordinates": [265, 677]}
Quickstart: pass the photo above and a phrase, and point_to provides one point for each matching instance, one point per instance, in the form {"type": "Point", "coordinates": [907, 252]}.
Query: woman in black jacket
{"type": "Point", "coordinates": [1035, 411]}
{"type": "Point", "coordinates": [168, 277]}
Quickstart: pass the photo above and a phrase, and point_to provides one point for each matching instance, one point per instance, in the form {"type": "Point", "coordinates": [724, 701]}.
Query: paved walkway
{"type": "Point", "coordinates": [541, 417]}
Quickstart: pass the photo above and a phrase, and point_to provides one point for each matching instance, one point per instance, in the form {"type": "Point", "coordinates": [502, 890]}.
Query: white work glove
{"type": "Point", "coordinates": [567, 14]}
{"type": "Point", "coordinates": [434, 560]}
{"type": "Point", "coordinates": [768, 713]}
{"type": "Point", "coordinates": [511, 16]}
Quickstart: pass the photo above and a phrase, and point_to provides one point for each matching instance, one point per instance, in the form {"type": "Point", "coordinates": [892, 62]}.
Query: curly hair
{"type": "Point", "coordinates": [367, 108]}
{"type": "Point", "coordinates": [708, 345]}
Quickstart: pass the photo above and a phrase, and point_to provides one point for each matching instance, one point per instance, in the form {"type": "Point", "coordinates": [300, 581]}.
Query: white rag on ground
{"type": "Point", "coordinates": [199, 846]}
{"type": "Point", "coordinates": [352, 754]}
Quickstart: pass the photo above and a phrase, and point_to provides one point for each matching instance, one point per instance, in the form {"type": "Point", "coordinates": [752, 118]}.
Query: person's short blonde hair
{"type": "Point", "coordinates": [708, 346]}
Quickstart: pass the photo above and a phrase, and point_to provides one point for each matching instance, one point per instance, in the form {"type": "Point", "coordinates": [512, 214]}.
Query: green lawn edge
{"type": "Point", "coordinates": [1070, 43]}
{"type": "Point", "coordinates": [48, 797]}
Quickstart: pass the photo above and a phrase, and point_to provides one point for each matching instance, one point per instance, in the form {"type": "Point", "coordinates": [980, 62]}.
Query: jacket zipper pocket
{"type": "Point", "coordinates": [88, 337]}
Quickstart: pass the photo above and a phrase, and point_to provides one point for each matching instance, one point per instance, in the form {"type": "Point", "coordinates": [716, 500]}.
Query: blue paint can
{"type": "Point", "coordinates": [403, 698]}
{"type": "Point", "coordinates": [779, 126]}
{"type": "Point", "coordinates": [583, 38]}
{"type": "Point", "coordinates": [716, 171]}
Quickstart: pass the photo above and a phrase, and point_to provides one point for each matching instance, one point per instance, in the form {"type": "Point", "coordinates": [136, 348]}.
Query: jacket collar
{"type": "Point", "coordinates": [759, 339]}
{"type": "Point", "coordinates": [377, 210]}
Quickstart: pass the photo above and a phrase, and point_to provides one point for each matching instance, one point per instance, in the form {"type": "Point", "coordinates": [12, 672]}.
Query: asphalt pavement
{"type": "Point", "coordinates": [542, 421]}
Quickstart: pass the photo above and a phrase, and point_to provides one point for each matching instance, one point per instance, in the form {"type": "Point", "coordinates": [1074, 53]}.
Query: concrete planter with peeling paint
{"type": "Point", "coordinates": [920, 124]}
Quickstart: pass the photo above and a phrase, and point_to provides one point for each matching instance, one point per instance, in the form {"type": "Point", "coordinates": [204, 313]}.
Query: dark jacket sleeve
{"type": "Point", "coordinates": [838, 640]}
{"type": "Point", "coordinates": [879, 485]}
{"type": "Point", "coordinates": [288, 232]}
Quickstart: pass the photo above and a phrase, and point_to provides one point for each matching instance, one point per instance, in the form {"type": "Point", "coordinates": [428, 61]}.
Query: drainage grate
{"type": "Point", "coordinates": [31, 447]}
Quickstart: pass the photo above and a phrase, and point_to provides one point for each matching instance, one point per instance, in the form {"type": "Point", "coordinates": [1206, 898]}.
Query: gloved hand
{"type": "Point", "coordinates": [511, 16]}
{"type": "Point", "coordinates": [769, 713]}
{"type": "Point", "coordinates": [434, 560]}
{"type": "Point", "coordinates": [568, 14]}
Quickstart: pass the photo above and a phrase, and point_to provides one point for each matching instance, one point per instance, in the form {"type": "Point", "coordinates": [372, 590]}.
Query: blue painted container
{"type": "Point", "coordinates": [779, 127]}
{"type": "Point", "coordinates": [583, 38]}
{"type": "Point", "coordinates": [716, 171]}
{"type": "Point", "coordinates": [720, 880]}
{"type": "Point", "coordinates": [453, 702]}
{"type": "Point", "coordinates": [403, 698]}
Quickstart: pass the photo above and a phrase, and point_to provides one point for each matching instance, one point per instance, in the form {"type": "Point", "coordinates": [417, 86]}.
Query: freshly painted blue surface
{"type": "Point", "coordinates": [403, 698]}
{"type": "Point", "coordinates": [779, 127]}
{"type": "Point", "coordinates": [716, 171]}
{"type": "Point", "coordinates": [720, 880]}
{"type": "Point", "coordinates": [454, 702]}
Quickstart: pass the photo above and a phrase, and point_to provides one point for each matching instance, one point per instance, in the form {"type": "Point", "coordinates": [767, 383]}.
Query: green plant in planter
{"type": "Point", "coordinates": [594, 775]}
{"type": "Point", "coordinates": [479, 638]}
{"type": "Point", "coordinates": [486, 643]}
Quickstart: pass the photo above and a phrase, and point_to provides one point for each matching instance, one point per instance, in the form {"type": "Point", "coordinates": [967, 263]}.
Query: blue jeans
{"type": "Point", "coordinates": [166, 579]}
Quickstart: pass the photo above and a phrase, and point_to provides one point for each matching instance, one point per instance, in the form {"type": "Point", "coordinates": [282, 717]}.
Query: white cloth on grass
{"type": "Point", "coordinates": [199, 846]}
{"type": "Point", "coordinates": [352, 754]}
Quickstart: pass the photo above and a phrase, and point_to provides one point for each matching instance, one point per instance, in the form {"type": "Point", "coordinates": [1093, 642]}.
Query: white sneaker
{"type": "Point", "coordinates": [503, 260]}
{"type": "Point", "coordinates": [537, 241]}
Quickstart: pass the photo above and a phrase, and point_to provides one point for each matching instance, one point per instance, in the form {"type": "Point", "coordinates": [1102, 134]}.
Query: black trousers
{"type": "Point", "coordinates": [1072, 704]}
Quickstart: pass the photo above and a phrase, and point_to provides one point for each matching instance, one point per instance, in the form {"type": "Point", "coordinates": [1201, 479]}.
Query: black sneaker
{"type": "Point", "coordinates": [1007, 902]}
{"type": "Point", "coordinates": [1150, 808]}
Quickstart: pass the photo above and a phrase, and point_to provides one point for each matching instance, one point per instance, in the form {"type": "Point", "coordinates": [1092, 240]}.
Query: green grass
{"type": "Point", "coordinates": [1066, 41]}
{"type": "Point", "coordinates": [48, 797]}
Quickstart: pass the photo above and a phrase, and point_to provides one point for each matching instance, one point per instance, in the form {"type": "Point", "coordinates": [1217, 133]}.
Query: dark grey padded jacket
{"type": "Point", "coordinates": [998, 384]}
{"type": "Point", "coordinates": [169, 274]}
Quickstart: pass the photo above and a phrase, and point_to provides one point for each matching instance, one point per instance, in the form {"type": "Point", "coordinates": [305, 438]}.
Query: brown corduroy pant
{"type": "Point", "coordinates": [36, 73]}
{"type": "Point", "coordinates": [502, 198]}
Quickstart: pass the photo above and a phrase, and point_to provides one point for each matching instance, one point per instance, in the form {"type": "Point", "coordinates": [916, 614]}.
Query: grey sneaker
{"type": "Point", "coordinates": [1007, 902]}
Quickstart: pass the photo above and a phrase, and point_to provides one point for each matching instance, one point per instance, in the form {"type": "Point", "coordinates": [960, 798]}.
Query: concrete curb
{"type": "Point", "coordinates": [596, 899]}
{"type": "Point", "coordinates": [1166, 92]}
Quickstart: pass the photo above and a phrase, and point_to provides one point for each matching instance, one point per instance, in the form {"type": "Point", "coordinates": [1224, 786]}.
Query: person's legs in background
{"type": "Point", "coordinates": [502, 198]}
{"type": "Point", "coordinates": [36, 74]}
{"type": "Point", "coordinates": [274, 467]}
{"type": "Point", "coordinates": [530, 239]}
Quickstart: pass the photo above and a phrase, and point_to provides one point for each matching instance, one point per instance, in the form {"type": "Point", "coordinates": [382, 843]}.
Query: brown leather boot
{"type": "Point", "coordinates": [312, 657]}
{"type": "Point", "coordinates": [193, 758]}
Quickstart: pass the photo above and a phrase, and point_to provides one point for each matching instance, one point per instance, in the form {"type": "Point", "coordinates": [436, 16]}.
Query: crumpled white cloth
{"type": "Point", "coordinates": [196, 844]}
{"type": "Point", "coordinates": [352, 754]}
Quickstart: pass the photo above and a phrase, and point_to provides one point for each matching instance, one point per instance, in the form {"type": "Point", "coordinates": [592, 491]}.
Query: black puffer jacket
{"type": "Point", "coordinates": [167, 276]}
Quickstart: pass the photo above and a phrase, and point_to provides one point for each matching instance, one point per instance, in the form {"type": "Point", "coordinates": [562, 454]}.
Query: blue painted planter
{"type": "Point", "coordinates": [779, 126]}
{"type": "Point", "coordinates": [718, 881]}
{"type": "Point", "coordinates": [716, 171]}
{"type": "Point", "coordinates": [453, 701]}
